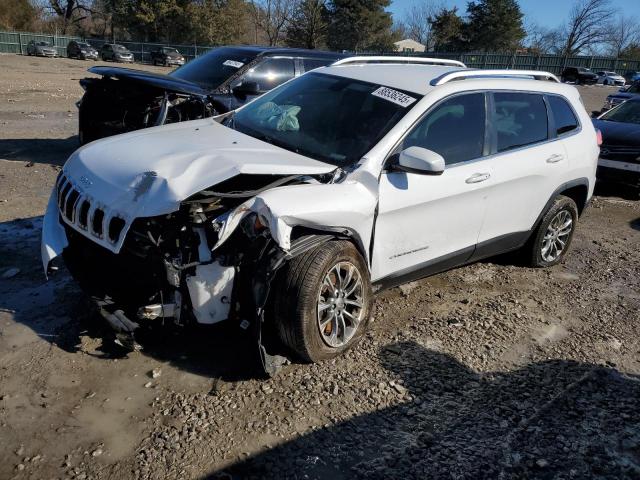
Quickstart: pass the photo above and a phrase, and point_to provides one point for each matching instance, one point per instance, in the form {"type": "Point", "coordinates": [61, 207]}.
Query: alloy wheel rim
{"type": "Point", "coordinates": [340, 304]}
{"type": "Point", "coordinates": [557, 235]}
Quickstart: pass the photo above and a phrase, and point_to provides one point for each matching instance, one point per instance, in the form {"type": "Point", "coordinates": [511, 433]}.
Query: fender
{"type": "Point", "coordinates": [578, 182]}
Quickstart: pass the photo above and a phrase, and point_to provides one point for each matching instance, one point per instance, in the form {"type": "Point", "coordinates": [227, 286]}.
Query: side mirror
{"type": "Point", "coordinates": [421, 161]}
{"type": "Point", "coordinates": [247, 88]}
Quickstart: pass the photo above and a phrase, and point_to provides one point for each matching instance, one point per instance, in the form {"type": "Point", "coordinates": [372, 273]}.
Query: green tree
{"type": "Point", "coordinates": [360, 25]}
{"type": "Point", "coordinates": [17, 14]}
{"type": "Point", "coordinates": [447, 30]}
{"type": "Point", "coordinates": [308, 25]}
{"type": "Point", "coordinates": [494, 25]}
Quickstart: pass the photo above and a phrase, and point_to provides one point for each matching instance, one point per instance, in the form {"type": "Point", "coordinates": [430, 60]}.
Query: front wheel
{"type": "Point", "coordinates": [551, 240]}
{"type": "Point", "coordinates": [322, 301]}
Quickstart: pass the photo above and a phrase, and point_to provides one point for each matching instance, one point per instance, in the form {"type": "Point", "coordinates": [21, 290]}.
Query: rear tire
{"type": "Point", "coordinates": [322, 301]}
{"type": "Point", "coordinates": [552, 238]}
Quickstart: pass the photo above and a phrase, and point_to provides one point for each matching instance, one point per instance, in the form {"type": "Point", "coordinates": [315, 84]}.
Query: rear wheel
{"type": "Point", "coordinates": [323, 300]}
{"type": "Point", "coordinates": [551, 240]}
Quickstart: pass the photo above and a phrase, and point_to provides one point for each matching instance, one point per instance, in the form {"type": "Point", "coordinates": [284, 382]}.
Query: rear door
{"type": "Point", "coordinates": [527, 165]}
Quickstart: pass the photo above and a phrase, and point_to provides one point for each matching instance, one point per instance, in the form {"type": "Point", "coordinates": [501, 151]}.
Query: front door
{"type": "Point", "coordinates": [428, 223]}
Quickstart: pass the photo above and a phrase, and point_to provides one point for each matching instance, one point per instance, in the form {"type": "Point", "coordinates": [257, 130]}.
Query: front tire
{"type": "Point", "coordinates": [552, 239]}
{"type": "Point", "coordinates": [322, 301]}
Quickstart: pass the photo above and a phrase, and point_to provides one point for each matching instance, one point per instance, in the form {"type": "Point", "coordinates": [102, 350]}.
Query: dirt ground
{"type": "Point", "coordinates": [488, 371]}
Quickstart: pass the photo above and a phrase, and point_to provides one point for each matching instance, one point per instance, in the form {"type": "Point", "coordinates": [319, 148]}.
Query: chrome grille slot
{"type": "Point", "coordinates": [70, 204]}
{"type": "Point", "coordinates": [115, 228]}
{"type": "Point", "coordinates": [83, 215]}
{"type": "Point", "coordinates": [96, 222]}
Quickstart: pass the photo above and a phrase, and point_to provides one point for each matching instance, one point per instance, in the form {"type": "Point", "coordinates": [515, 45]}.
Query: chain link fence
{"type": "Point", "coordinates": [16, 42]}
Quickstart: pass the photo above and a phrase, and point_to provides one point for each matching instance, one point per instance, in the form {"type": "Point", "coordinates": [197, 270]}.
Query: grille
{"type": "Point", "coordinates": [77, 210]}
{"type": "Point", "coordinates": [620, 152]}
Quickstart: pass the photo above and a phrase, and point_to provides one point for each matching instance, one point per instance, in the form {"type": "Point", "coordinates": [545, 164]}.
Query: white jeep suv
{"type": "Point", "coordinates": [286, 215]}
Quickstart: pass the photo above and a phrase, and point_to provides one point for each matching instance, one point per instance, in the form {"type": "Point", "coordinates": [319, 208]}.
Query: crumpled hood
{"type": "Point", "coordinates": [149, 172]}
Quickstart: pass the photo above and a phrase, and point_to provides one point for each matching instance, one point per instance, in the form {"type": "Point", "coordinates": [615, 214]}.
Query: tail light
{"type": "Point", "coordinates": [598, 137]}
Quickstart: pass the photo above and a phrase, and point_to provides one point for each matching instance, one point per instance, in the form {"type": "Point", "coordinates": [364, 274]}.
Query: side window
{"type": "Point", "coordinates": [311, 63]}
{"type": "Point", "coordinates": [270, 73]}
{"type": "Point", "coordinates": [520, 119]}
{"type": "Point", "coordinates": [563, 116]}
{"type": "Point", "coordinates": [455, 129]}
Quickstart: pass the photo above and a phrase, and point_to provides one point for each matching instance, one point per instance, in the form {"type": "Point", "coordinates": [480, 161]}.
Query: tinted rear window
{"type": "Point", "coordinates": [520, 119]}
{"type": "Point", "coordinates": [563, 116]}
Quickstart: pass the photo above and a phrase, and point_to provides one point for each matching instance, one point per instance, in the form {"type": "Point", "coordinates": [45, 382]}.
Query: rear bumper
{"type": "Point", "coordinates": [619, 172]}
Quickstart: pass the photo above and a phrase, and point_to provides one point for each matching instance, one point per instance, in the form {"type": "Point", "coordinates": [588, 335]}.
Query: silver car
{"type": "Point", "coordinates": [41, 49]}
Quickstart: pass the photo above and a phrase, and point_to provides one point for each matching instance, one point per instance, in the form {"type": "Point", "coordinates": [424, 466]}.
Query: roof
{"type": "Point", "coordinates": [417, 78]}
{"type": "Point", "coordinates": [409, 77]}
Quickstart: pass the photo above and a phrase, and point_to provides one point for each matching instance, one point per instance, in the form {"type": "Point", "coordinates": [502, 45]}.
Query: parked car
{"type": "Point", "coordinates": [579, 75]}
{"type": "Point", "coordinates": [610, 78]}
{"type": "Point", "coordinates": [223, 79]}
{"type": "Point", "coordinates": [81, 51]}
{"type": "Point", "coordinates": [116, 53]}
{"type": "Point", "coordinates": [620, 152]}
{"type": "Point", "coordinates": [631, 76]}
{"type": "Point", "coordinates": [41, 49]}
{"type": "Point", "coordinates": [622, 95]}
{"type": "Point", "coordinates": [167, 56]}
{"type": "Point", "coordinates": [287, 214]}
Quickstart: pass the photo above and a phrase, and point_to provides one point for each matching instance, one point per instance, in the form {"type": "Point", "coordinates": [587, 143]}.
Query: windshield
{"type": "Point", "coordinates": [169, 50]}
{"type": "Point", "coordinates": [213, 68]}
{"type": "Point", "coordinates": [628, 112]}
{"type": "Point", "coordinates": [332, 119]}
{"type": "Point", "coordinates": [583, 69]}
{"type": "Point", "coordinates": [119, 48]}
{"type": "Point", "coordinates": [84, 45]}
{"type": "Point", "coordinates": [43, 44]}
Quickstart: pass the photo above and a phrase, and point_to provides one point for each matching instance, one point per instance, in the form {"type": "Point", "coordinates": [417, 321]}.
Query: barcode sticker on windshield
{"type": "Point", "coordinates": [394, 96]}
{"type": "Point", "coordinates": [233, 63]}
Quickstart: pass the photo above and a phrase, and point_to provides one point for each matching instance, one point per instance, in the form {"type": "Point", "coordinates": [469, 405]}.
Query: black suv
{"type": "Point", "coordinates": [579, 76]}
{"type": "Point", "coordinates": [116, 53]}
{"type": "Point", "coordinates": [81, 51]}
{"type": "Point", "coordinates": [221, 80]}
{"type": "Point", "coordinates": [166, 56]}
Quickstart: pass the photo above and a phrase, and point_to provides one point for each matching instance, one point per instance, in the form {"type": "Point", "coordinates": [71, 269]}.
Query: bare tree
{"type": "Point", "coordinates": [587, 26]}
{"type": "Point", "coordinates": [540, 39]}
{"type": "Point", "coordinates": [623, 32]}
{"type": "Point", "coordinates": [271, 18]}
{"type": "Point", "coordinates": [416, 23]}
{"type": "Point", "coordinates": [70, 12]}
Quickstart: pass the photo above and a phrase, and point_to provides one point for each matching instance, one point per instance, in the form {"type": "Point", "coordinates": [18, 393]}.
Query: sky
{"type": "Point", "coordinates": [547, 13]}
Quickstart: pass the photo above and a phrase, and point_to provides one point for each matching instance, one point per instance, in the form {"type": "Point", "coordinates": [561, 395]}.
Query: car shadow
{"type": "Point", "coordinates": [58, 312]}
{"type": "Point", "coordinates": [635, 224]}
{"type": "Point", "coordinates": [554, 419]}
{"type": "Point", "coordinates": [53, 151]}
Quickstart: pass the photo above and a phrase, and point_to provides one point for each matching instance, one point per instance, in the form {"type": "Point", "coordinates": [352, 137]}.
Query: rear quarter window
{"type": "Point", "coordinates": [564, 118]}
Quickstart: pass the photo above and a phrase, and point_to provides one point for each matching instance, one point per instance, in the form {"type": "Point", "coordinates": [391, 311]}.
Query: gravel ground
{"type": "Point", "coordinates": [488, 371]}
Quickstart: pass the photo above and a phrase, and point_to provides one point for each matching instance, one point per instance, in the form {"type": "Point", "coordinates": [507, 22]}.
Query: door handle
{"type": "Point", "coordinates": [478, 177]}
{"type": "Point", "coordinates": [555, 158]}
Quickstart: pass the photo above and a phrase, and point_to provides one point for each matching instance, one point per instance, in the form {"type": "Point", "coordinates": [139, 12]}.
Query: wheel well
{"type": "Point", "coordinates": [338, 233]}
{"type": "Point", "coordinates": [578, 194]}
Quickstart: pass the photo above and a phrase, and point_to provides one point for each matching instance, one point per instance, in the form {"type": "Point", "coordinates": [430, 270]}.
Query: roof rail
{"type": "Point", "coordinates": [397, 59]}
{"type": "Point", "coordinates": [465, 74]}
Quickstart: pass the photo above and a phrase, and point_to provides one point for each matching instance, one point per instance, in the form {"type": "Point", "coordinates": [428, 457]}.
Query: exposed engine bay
{"type": "Point", "coordinates": [111, 106]}
{"type": "Point", "coordinates": [170, 267]}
